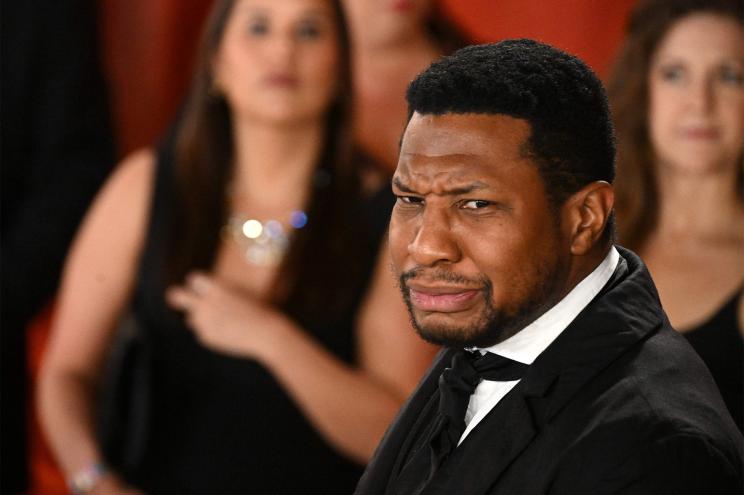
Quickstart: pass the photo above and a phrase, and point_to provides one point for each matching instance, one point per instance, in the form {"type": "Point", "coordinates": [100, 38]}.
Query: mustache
{"type": "Point", "coordinates": [439, 275]}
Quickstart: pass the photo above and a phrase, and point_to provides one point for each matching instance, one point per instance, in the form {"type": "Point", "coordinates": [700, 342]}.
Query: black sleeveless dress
{"type": "Point", "coordinates": [223, 425]}
{"type": "Point", "coordinates": [719, 342]}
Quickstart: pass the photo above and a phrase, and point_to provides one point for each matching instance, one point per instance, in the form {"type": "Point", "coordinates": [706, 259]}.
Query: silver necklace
{"type": "Point", "coordinates": [266, 242]}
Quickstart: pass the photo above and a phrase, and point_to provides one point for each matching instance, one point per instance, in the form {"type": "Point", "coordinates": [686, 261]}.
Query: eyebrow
{"type": "Point", "coordinates": [473, 186]}
{"type": "Point", "coordinates": [262, 10]}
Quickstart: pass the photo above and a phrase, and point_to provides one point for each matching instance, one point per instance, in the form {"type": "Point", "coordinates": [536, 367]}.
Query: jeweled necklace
{"type": "Point", "coordinates": [264, 243]}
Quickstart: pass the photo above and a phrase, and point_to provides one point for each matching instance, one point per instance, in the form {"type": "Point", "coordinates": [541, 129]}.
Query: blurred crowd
{"type": "Point", "coordinates": [214, 313]}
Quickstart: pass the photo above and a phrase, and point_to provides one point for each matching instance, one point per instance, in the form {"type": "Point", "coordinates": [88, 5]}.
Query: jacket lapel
{"type": "Point", "coordinates": [625, 312]}
{"type": "Point", "coordinates": [489, 449]}
{"type": "Point", "coordinates": [400, 436]}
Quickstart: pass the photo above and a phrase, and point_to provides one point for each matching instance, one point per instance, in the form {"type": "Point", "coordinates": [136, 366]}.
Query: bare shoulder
{"type": "Point", "coordinates": [125, 197]}
{"type": "Point", "coordinates": [113, 230]}
{"type": "Point", "coordinates": [135, 172]}
{"type": "Point", "coordinates": [100, 270]}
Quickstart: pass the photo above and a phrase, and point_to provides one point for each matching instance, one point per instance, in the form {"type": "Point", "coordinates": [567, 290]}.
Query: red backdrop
{"type": "Point", "coordinates": [148, 46]}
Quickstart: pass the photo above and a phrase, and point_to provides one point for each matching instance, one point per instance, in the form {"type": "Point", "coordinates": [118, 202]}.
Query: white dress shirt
{"type": "Point", "coordinates": [525, 345]}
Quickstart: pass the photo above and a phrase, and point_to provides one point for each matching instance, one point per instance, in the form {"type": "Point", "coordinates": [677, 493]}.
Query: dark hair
{"type": "Point", "coordinates": [571, 137]}
{"type": "Point", "coordinates": [636, 195]}
{"type": "Point", "coordinates": [204, 167]}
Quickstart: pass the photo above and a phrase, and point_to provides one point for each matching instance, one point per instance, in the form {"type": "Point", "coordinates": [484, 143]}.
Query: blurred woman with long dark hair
{"type": "Point", "coordinates": [271, 344]}
{"type": "Point", "coordinates": [677, 94]}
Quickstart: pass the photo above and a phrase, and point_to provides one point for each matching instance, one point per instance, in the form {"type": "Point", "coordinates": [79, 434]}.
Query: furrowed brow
{"type": "Point", "coordinates": [474, 186]}
{"type": "Point", "coordinates": [456, 191]}
{"type": "Point", "coordinates": [399, 184]}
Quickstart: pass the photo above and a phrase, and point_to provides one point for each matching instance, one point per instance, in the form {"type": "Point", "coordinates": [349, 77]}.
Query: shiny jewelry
{"type": "Point", "coordinates": [264, 243]}
{"type": "Point", "coordinates": [83, 481]}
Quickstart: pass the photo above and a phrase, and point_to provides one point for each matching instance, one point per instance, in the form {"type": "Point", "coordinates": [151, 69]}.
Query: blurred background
{"type": "Point", "coordinates": [147, 46]}
{"type": "Point", "coordinates": [139, 54]}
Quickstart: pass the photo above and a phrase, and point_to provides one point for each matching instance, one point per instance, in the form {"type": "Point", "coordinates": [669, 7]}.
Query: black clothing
{"type": "Point", "coordinates": [456, 384]}
{"type": "Point", "coordinates": [618, 403]}
{"type": "Point", "coordinates": [57, 149]}
{"type": "Point", "coordinates": [220, 424]}
{"type": "Point", "coordinates": [720, 343]}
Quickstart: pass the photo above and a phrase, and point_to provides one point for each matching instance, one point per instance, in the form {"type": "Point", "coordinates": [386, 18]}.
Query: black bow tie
{"type": "Point", "coordinates": [456, 384]}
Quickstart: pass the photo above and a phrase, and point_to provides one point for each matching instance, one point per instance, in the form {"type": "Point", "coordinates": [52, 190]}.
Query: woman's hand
{"type": "Point", "coordinates": [110, 484]}
{"type": "Point", "coordinates": [226, 320]}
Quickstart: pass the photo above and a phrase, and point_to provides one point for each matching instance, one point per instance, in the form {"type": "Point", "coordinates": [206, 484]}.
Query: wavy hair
{"type": "Point", "coordinates": [636, 195]}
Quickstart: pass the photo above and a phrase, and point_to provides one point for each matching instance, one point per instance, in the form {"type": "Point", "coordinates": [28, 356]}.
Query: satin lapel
{"type": "Point", "coordinates": [400, 435]}
{"type": "Point", "coordinates": [626, 312]}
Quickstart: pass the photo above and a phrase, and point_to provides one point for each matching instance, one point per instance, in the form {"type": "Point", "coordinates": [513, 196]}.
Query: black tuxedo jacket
{"type": "Point", "coordinates": [618, 403]}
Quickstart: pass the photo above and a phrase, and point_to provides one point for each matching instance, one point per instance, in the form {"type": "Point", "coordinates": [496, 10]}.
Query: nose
{"type": "Point", "coordinates": [433, 242]}
{"type": "Point", "coordinates": [282, 48]}
{"type": "Point", "coordinates": [701, 94]}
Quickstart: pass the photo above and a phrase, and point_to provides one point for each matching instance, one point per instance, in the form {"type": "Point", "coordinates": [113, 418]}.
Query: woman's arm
{"type": "Point", "coordinates": [350, 406]}
{"type": "Point", "coordinates": [96, 285]}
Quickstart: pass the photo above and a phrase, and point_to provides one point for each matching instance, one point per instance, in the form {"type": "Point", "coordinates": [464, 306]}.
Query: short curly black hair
{"type": "Point", "coordinates": [572, 140]}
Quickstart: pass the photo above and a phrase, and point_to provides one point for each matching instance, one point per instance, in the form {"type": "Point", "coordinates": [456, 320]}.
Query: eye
{"type": "Point", "coordinates": [730, 75]}
{"type": "Point", "coordinates": [409, 200]}
{"type": "Point", "coordinates": [672, 73]}
{"type": "Point", "coordinates": [309, 30]}
{"type": "Point", "coordinates": [258, 27]}
{"type": "Point", "coordinates": [475, 204]}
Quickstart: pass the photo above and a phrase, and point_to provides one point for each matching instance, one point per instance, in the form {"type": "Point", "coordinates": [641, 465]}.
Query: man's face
{"type": "Point", "coordinates": [473, 239]}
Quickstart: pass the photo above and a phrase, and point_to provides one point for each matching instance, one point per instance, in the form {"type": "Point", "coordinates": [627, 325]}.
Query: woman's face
{"type": "Point", "coordinates": [278, 60]}
{"type": "Point", "coordinates": [696, 94]}
{"type": "Point", "coordinates": [378, 22]}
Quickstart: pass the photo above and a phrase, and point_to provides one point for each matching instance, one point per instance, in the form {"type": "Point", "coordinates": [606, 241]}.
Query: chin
{"type": "Point", "coordinates": [489, 327]}
{"type": "Point", "coordinates": [475, 334]}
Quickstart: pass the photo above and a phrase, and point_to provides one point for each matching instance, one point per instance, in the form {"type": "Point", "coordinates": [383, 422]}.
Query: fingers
{"type": "Point", "coordinates": [199, 283]}
{"type": "Point", "coordinates": [185, 297]}
{"type": "Point", "coordinates": [180, 298]}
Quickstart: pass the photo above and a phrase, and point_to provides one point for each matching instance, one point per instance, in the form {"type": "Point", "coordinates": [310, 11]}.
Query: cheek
{"type": "Point", "coordinates": [733, 117]}
{"type": "Point", "coordinates": [397, 244]}
{"type": "Point", "coordinates": [495, 253]}
{"type": "Point", "coordinates": [235, 70]}
{"type": "Point", "coordinates": [661, 113]}
{"type": "Point", "coordinates": [516, 261]}
{"type": "Point", "coordinates": [321, 74]}
{"type": "Point", "coordinates": [321, 63]}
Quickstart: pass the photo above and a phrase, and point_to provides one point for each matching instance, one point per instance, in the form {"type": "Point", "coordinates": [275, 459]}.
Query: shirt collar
{"type": "Point", "coordinates": [528, 343]}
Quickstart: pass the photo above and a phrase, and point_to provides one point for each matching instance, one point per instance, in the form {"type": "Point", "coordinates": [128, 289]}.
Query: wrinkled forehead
{"type": "Point", "coordinates": [461, 148]}
{"type": "Point", "coordinates": [461, 133]}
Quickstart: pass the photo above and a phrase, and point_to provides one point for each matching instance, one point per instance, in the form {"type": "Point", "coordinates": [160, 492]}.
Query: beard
{"type": "Point", "coordinates": [492, 325]}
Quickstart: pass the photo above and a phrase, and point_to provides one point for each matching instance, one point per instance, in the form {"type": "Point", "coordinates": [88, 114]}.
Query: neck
{"type": "Point", "coordinates": [274, 165]}
{"type": "Point", "coordinates": [387, 50]}
{"type": "Point", "coordinates": [582, 266]}
{"type": "Point", "coordinates": [699, 205]}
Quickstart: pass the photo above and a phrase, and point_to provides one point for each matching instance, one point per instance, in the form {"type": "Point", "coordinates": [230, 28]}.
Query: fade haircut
{"type": "Point", "coordinates": [571, 141]}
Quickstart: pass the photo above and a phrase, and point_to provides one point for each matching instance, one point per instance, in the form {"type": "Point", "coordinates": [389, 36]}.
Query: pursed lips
{"type": "Point", "coordinates": [700, 133]}
{"type": "Point", "coordinates": [282, 79]}
{"type": "Point", "coordinates": [441, 298]}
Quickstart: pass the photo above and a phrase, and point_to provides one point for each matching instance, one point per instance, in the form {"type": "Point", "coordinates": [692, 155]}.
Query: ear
{"type": "Point", "coordinates": [585, 215]}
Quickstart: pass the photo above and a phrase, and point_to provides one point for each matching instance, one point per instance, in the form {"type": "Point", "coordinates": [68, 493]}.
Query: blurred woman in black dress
{"type": "Point", "coordinates": [677, 94]}
{"type": "Point", "coordinates": [276, 348]}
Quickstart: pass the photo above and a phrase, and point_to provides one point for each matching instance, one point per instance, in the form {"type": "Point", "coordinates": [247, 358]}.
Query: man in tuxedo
{"type": "Point", "coordinates": [560, 372]}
